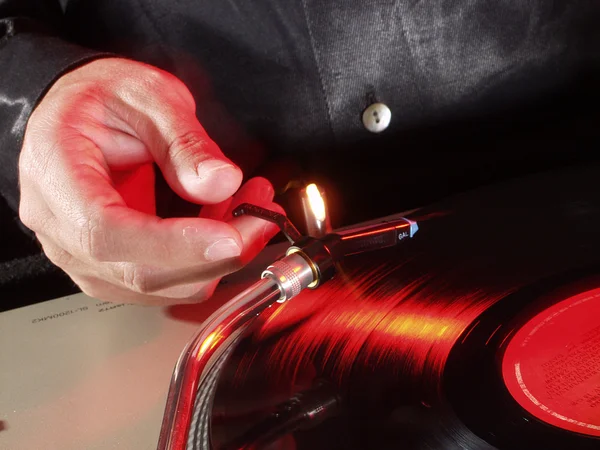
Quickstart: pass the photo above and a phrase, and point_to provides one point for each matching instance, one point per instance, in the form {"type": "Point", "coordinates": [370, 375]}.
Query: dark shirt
{"type": "Point", "coordinates": [479, 91]}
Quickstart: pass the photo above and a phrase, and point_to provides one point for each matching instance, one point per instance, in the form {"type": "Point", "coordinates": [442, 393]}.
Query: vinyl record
{"type": "Point", "coordinates": [482, 332]}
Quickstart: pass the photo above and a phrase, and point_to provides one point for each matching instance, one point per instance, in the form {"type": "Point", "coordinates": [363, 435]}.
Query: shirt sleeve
{"type": "Point", "coordinates": [33, 54]}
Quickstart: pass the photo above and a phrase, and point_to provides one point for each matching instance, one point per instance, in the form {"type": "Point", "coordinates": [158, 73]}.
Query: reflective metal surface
{"type": "Point", "coordinates": [197, 370]}
{"type": "Point", "coordinates": [311, 262]}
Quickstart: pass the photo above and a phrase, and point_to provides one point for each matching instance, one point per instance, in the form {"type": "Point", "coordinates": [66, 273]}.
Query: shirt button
{"type": "Point", "coordinates": [376, 117]}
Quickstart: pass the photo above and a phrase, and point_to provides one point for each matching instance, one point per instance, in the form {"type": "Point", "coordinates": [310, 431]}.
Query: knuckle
{"type": "Point", "coordinates": [94, 286]}
{"type": "Point", "coordinates": [28, 171]}
{"type": "Point", "coordinates": [33, 218]}
{"type": "Point", "coordinates": [187, 147]}
{"type": "Point", "coordinates": [134, 278]}
{"type": "Point", "coordinates": [59, 257]}
{"type": "Point", "coordinates": [156, 78]}
{"type": "Point", "coordinates": [167, 83]}
{"type": "Point", "coordinates": [186, 95]}
{"type": "Point", "coordinates": [26, 215]}
{"type": "Point", "coordinates": [34, 160]}
{"type": "Point", "coordinates": [90, 288]}
{"type": "Point", "coordinates": [182, 92]}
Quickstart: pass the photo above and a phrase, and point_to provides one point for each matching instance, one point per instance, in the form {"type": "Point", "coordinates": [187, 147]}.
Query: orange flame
{"type": "Point", "coordinates": [316, 202]}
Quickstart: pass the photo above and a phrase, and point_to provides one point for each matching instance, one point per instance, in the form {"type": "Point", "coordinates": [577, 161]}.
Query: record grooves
{"type": "Point", "coordinates": [418, 345]}
{"type": "Point", "coordinates": [473, 381]}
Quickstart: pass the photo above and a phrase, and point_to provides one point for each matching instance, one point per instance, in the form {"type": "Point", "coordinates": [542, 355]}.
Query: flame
{"type": "Point", "coordinates": [316, 202]}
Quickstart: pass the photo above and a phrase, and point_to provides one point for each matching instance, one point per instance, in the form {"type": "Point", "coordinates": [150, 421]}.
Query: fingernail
{"type": "Point", "coordinates": [222, 249]}
{"type": "Point", "coordinates": [208, 167]}
{"type": "Point", "coordinates": [266, 193]}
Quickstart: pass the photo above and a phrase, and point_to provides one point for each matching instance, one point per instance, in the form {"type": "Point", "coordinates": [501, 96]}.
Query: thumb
{"type": "Point", "coordinates": [195, 167]}
{"type": "Point", "coordinates": [192, 163]}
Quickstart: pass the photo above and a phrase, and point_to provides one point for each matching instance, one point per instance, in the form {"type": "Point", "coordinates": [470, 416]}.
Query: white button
{"type": "Point", "coordinates": [376, 117]}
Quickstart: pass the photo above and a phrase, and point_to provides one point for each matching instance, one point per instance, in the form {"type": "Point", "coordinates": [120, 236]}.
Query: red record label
{"type": "Point", "coordinates": [551, 366]}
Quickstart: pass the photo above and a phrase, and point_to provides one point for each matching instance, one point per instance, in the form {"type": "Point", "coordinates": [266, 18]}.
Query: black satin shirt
{"type": "Point", "coordinates": [478, 90]}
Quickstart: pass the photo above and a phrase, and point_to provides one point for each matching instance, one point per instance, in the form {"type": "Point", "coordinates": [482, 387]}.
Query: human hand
{"type": "Point", "coordinates": [87, 187]}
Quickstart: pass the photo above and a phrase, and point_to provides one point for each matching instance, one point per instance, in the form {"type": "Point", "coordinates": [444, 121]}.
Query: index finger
{"type": "Point", "coordinates": [95, 223]}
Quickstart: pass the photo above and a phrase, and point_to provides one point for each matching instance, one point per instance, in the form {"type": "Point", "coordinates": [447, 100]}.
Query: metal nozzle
{"type": "Point", "coordinates": [308, 263]}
